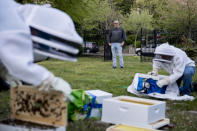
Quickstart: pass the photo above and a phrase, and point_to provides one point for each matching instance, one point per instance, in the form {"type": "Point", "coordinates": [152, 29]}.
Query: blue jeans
{"type": "Point", "coordinates": [187, 80]}
{"type": "Point", "coordinates": [114, 48]}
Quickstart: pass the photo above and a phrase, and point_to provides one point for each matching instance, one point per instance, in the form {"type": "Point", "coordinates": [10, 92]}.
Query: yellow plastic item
{"type": "Point", "coordinates": [137, 102]}
{"type": "Point", "coordinates": [127, 128]}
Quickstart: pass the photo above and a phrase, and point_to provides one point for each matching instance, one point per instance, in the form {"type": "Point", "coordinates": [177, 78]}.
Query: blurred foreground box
{"type": "Point", "coordinates": [29, 104]}
{"type": "Point", "coordinates": [17, 125]}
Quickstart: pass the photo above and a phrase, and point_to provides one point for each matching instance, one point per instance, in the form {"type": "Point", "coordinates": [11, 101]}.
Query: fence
{"type": "Point", "coordinates": [150, 40]}
{"type": "Point", "coordinates": [99, 37]}
{"type": "Point", "coordinates": [148, 45]}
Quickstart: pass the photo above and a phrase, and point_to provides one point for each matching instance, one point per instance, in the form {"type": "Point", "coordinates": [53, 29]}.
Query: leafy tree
{"type": "Point", "coordinates": [180, 16]}
{"type": "Point", "coordinates": [124, 6]}
{"type": "Point", "coordinates": [137, 20]}
{"type": "Point", "coordinates": [77, 9]}
{"type": "Point", "coordinates": [155, 7]}
{"type": "Point", "coordinates": [88, 15]}
{"type": "Point", "coordinates": [102, 15]}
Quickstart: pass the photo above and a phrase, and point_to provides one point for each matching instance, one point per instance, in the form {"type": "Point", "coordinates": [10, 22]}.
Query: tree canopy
{"type": "Point", "coordinates": [178, 16]}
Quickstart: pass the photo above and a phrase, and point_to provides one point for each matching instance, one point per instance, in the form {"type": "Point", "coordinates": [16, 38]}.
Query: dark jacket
{"type": "Point", "coordinates": [116, 35]}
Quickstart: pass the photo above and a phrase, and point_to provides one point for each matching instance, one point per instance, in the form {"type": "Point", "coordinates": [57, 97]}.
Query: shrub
{"type": "Point", "coordinates": [80, 51]}
{"type": "Point", "coordinates": [138, 44]}
{"type": "Point", "coordinates": [130, 39]}
{"type": "Point", "coordinates": [191, 52]}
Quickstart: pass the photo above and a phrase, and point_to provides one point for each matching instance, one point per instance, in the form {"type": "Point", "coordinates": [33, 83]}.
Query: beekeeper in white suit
{"type": "Point", "coordinates": [52, 34]}
{"type": "Point", "coordinates": [177, 64]}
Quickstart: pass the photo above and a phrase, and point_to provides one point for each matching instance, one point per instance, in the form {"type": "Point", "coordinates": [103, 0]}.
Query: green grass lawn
{"type": "Point", "coordinates": [94, 73]}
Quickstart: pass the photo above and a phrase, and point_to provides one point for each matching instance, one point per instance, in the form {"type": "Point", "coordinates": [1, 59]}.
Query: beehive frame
{"type": "Point", "coordinates": [29, 104]}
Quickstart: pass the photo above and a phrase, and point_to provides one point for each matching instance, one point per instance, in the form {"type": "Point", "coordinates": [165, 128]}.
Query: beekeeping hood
{"type": "Point", "coordinates": [53, 31]}
{"type": "Point", "coordinates": [164, 53]}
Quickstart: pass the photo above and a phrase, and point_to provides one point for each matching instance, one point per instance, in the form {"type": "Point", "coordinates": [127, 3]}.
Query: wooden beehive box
{"type": "Point", "coordinates": [29, 104]}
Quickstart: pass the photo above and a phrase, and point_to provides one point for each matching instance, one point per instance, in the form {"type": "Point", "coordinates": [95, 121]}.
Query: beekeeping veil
{"type": "Point", "coordinates": [164, 53]}
{"type": "Point", "coordinates": [53, 32]}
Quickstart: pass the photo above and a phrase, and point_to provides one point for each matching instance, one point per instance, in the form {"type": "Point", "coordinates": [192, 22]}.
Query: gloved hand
{"type": "Point", "coordinates": [3, 71]}
{"type": "Point", "coordinates": [163, 82]}
{"type": "Point", "coordinates": [154, 72]}
{"type": "Point", "coordinates": [13, 82]}
{"type": "Point", "coordinates": [46, 84]}
{"type": "Point", "coordinates": [58, 84]}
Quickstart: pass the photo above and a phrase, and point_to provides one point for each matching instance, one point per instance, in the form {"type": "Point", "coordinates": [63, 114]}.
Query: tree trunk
{"type": "Point", "coordinates": [146, 39]}
{"type": "Point", "coordinates": [189, 21]}
{"type": "Point", "coordinates": [190, 33]}
{"type": "Point", "coordinates": [136, 37]}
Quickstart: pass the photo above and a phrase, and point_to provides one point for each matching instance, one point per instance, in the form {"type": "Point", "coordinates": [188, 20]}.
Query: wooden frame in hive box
{"type": "Point", "coordinates": [29, 104]}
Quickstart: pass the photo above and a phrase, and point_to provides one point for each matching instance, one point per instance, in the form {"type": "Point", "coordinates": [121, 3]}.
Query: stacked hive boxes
{"type": "Point", "coordinates": [135, 112]}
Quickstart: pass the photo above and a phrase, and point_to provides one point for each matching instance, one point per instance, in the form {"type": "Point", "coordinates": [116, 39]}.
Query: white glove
{"type": "Point", "coordinates": [13, 82]}
{"type": "Point", "coordinates": [60, 85]}
{"type": "Point", "coordinates": [3, 71]}
{"type": "Point", "coordinates": [154, 72]}
{"type": "Point", "coordinates": [56, 83]}
{"type": "Point", "coordinates": [46, 84]}
{"type": "Point", "coordinates": [163, 82]}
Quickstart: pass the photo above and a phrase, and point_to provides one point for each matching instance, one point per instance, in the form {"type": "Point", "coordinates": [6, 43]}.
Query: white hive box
{"type": "Point", "coordinates": [100, 96]}
{"type": "Point", "coordinates": [134, 111]}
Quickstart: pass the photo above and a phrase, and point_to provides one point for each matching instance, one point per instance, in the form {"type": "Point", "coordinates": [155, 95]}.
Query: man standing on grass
{"type": "Point", "coordinates": [116, 40]}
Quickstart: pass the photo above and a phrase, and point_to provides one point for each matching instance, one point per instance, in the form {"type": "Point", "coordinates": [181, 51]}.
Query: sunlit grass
{"type": "Point", "coordinates": [94, 73]}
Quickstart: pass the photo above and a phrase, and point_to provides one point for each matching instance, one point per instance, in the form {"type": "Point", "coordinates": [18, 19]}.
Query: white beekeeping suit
{"type": "Point", "coordinates": [53, 31]}
{"type": "Point", "coordinates": [53, 34]}
{"type": "Point", "coordinates": [16, 52]}
{"type": "Point", "coordinates": [175, 64]}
